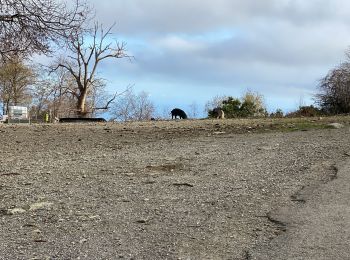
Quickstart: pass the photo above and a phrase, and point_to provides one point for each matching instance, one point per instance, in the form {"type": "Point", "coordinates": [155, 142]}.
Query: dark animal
{"type": "Point", "coordinates": [218, 113]}
{"type": "Point", "coordinates": [177, 112]}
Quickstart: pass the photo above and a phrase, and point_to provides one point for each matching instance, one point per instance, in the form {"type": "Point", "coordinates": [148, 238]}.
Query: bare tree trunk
{"type": "Point", "coordinates": [81, 105]}
{"type": "Point", "coordinates": [7, 106]}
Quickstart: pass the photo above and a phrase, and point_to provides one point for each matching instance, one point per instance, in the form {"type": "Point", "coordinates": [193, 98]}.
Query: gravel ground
{"type": "Point", "coordinates": [319, 229]}
{"type": "Point", "coordinates": [154, 190]}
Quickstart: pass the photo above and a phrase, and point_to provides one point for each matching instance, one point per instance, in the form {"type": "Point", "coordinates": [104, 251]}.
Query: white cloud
{"type": "Point", "coordinates": [178, 44]}
{"type": "Point", "coordinates": [273, 46]}
{"type": "Point", "coordinates": [159, 16]}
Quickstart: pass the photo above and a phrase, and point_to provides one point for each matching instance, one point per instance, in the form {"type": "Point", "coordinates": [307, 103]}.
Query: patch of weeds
{"type": "Point", "coordinates": [293, 126]}
{"type": "Point", "coordinates": [302, 126]}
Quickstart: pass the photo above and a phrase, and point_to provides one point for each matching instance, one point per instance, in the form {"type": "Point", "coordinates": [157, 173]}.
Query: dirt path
{"type": "Point", "coordinates": [318, 229]}
{"type": "Point", "coordinates": [160, 190]}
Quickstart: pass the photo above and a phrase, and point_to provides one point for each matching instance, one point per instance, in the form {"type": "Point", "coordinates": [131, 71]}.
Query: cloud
{"type": "Point", "coordinates": [158, 16]}
{"type": "Point", "coordinates": [177, 44]}
{"type": "Point", "coordinates": [281, 47]}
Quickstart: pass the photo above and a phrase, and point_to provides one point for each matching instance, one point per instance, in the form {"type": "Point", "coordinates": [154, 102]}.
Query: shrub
{"type": "Point", "coordinates": [277, 114]}
{"type": "Point", "coordinates": [306, 111]}
{"type": "Point", "coordinates": [250, 105]}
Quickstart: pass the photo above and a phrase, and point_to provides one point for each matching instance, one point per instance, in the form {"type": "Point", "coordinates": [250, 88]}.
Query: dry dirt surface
{"type": "Point", "coordinates": [201, 189]}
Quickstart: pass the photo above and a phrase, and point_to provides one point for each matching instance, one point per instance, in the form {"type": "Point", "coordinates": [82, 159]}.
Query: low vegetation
{"type": "Point", "coordinates": [250, 105]}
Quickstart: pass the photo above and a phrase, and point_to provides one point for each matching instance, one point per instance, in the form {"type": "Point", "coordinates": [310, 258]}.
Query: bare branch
{"type": "Point", "coordinates": [116, 94]}
{"type": "Point", "coordinates": [30, 26]}
{"type": "Point", "coordinates": [334, 96]}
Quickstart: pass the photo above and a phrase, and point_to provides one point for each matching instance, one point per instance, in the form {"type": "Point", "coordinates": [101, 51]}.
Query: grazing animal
{"type": "Point", "coordinates": [177, 112]}
{"type": "Point", "coordinates": [219, 113]}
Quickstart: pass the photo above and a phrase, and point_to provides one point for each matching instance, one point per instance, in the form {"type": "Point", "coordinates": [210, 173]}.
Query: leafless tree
{"type": "Point", "coordinates": [87, 51]}
{"type": "Point", "coordinates": [144, 107]}
{"type": "Point", "coordinates": [41, 98]}
{"type": "Point", "coordinates": [133, 107]}
{"type": "Point", "coordinates": [28, 26]}
{"type": "Point", "coordinates": [193, 110]}
{"type": "Point", "coordinates": [164, 112]}
{"type": "Point", "coordinates": [50, 94]}
{"type": "Point", "coordinates": [214, 102]}
{"type": "Point", "coordinates": [334, 96]}
{"type": "Point", "coordinates": [62, 100]}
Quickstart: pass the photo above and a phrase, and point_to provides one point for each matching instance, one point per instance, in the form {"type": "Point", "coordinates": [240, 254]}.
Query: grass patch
{"type": "Point", "coordinates": [293, 124]}
{"type": "Point", "coordinates": [301, 126]}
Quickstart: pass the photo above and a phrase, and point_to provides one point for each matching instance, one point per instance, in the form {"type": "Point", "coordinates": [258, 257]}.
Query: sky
{"type": "Point", "coordinates": [186, 52]}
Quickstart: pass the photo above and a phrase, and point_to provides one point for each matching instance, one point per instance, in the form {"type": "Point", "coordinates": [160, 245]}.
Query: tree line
{"type": "Point", "coordinates": [71, 85]}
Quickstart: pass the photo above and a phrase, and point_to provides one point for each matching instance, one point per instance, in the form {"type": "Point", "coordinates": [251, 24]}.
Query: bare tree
{"type": "Point", "coordinates": [143, 107]}
{"type": "Point", "coordinates": [28, 26]}
{"type": "Point", "coordinates": [41, 98]}
{"type": "Point", "coordinates": [334, 96]}
{"type": "Point", "coordinates": [87, 51]}
{"type": "Point", "coordinates": [193, 110]}
{"type": "Point", "coordinates": [133, 107]}
{"type": "Point", "coordinates": [49, 93]}
{"type": "Point", "coordinates": [214, 102]}
{"type": "Point", "coordinates": [62, 100]}
{"type": "Point", "coordinates": [164, 112]}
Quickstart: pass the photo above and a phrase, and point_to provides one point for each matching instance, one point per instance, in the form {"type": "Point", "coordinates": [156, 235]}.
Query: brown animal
{"type": "Point", "coordinates": [219, 113]}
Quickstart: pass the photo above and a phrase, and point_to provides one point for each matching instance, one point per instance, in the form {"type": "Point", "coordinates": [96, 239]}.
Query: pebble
{"type": "Point", "coordinates": [336, 125]}
{"type": "Point", "coordinates": [40, 205]}
{"type": "Point", "coordinates": [16, 211]}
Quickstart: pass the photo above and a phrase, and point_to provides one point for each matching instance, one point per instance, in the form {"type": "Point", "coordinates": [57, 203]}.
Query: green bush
{"type": "Point", "coordinates": [277, 114]}
{"type": "Point", "coordinates": [251, 105]}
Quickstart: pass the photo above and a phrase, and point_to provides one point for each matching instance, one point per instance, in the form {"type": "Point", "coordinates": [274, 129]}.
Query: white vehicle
{"type": "Point", "coordinates": [18, 112]}
{"type": "Point", "coordinates": [3, 118]}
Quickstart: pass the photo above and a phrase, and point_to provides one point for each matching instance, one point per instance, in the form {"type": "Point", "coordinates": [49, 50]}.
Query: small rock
{"type": "Point", "coordinates": [219, 133]}
{"type": "Point", "coordinates": [37, 231]}
{"type": "Point", "coordinates": [16, 211]}
{"type": "Point", "coordinates": [336, 125]}
{"type": "Point", "coordinates": [39, 205]}
{"type": "Point", "coordinates": [83, 241]}
{"type": "Point", "coordinates": [265, 148]}
{"type": "Point", "coordinates": [94, 217]}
